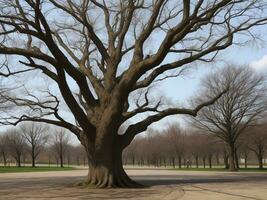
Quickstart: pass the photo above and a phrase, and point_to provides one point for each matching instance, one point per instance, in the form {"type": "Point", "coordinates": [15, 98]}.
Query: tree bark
{"type": "Point", "coordinates": [33, 162]}
{"type": "Point", "coordinates": [246, 162]}
{"type": "Point", "coordinates": [196, 158]}
{"type": "Point", "coordinates": [260, 158]}
{"type": "Point", "coordinates": [236, 159]}
{"type": "Point", "coordinates": [226, 160]}
{"type": "Point", "coordinates": [105, 164]}
{"type": "Point", "coordinates": [180, 161]}
{"type": "Point", "coordinates": [107, 171]}
{"type": "Point", "coordinates": [33, 156]}
{"type": "Point", "coordinates": [61, 161]}
{"type": "Point", "coordinates": [19, 161]}
{"type": "Point", "coordinates": [173, 162]}
{"type": "Point", "coordinates": [4, 158]}
{"type": "Point", "coordinates": [204, 162]}
{"type": "Point", "coordinates": [232, 166]}
{"type": "Point", "coordinates": [210, 161]}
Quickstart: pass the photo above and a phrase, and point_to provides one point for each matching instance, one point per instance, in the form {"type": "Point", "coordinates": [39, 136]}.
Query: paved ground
{"type": "Point", "coordinates": [165, 185]}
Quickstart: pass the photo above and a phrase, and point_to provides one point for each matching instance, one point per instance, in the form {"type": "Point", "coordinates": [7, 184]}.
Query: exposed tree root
{"type": "Point", "coordinates": [103, 178]}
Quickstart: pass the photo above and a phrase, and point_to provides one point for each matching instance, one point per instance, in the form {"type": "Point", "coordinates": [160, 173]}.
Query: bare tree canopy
{"type": "Point", "coordinates": [98, 53]}
{"type": "Point", "coordinates": [240, 107]}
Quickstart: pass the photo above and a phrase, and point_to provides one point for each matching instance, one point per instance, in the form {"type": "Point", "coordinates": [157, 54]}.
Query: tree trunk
{"type": "Point", "coordinates": [210, 161]}
{"type": "Point", "coordinates": [108, 171]}
{"type": "Point", "coordinates": [217, 159]}
{"type": "Point", "coordinates": [4, 158]}
{"type": "Point", "coordinates": [232, 166]}
{"type": "Point", "coordinates": [225, 159]}
{"type": "Point", "coordinates": [105, 164]}
{"type": "Point", "coordinates": [18, 161]}
{"type": "Point", "coordinates": [61, 161]}
{"type": "Point", "coordinates": [180, 161]}
{"type": "Point", "coordinates": [33, 156]}
{"type": "Point", "coordinates": [33, 161]}
{"type": "Point", "coordinates": [246, 162]}
{"type": "Point", "coordinates": [173, 162]}
{"type": "Point", "coordinates": [260, 157]}
{"type": "Point", "coordinates": [196, 158]}
{"type": "Point", "coordinates": [236, 160]}
{"type": "Point", "coordinates": [204, 162]}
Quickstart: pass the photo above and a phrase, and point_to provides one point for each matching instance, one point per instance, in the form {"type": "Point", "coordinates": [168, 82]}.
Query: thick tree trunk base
{"type": "Point", "coordinates": [105, 163]}
{"type": "Point", "coordinates": [101, 177]}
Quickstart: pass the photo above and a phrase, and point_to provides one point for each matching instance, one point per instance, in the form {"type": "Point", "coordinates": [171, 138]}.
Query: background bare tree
{"type": "Point", "coordinates": [16, 145]}
{"type": "Point", "coordinates": [79, 155]}
{"type": "Point", "coordinates": [176, 139]}
{"type": "Point", "coordinates": [36, 137]}
{"type": "Point", "coordinates": [104, 50]}
{"type": "Point", "coordinates": [3, 148]}
{"type": "Point", "coordinates": [244, 147]}
{"type": "Point", "coordinates": [195, 147]}
{"type": "Point", "coordinates": [132, 151]}
{"type": "Point", "coordinates": [60, 144]}
{"type": "Point", "coordinates": [240, 107]}
{"type": "Point", "coordinates": [258, 142]}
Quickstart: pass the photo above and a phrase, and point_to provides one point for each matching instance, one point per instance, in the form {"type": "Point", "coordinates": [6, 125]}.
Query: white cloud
{"type": "Point", "coordinates": [260, 64]}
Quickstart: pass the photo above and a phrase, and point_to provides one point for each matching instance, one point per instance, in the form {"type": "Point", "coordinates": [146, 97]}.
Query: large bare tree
{"type": "Point", "coordinates": [36, 137]}
{"type": "Point", "coordinates": [99, 53]}
{"type": "Point", "coordinates": [239, 108]}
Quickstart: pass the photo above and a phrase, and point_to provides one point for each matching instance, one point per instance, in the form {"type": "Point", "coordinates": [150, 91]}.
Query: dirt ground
{"type": "Point", "coordinates": [164, 185]}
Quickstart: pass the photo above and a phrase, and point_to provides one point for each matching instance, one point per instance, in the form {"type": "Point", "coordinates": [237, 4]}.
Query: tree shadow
{"type": "Point", "coordinates": [64, 187]}
{"type": "Point", "coordinates": [176, 180]}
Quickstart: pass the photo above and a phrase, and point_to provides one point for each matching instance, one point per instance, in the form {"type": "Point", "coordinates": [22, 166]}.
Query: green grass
{"type": "Point", "coordinates": [221, 169]}
{"type": "Point", "coordinates": [33, 169]}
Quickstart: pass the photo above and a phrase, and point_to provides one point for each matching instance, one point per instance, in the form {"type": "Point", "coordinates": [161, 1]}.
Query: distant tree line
{"type": "Point", "coordinates": [172, 147]}
{"type": "Point", "coordinates": [176, 147]}
{"type": "Point", "coordinates": [33, 143]}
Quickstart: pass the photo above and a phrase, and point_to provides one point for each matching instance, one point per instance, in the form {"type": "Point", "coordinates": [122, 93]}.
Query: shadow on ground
{"type": "Point", "coordinates": [162, 187]}
{"type": "Point", "coordinates": [173, 180]}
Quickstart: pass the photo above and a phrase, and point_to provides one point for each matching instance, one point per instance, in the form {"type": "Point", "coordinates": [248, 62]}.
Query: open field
{"type": "Point", "coordinates": [33, 169]}
{"type": "Point", "coordinates": [165, 185]}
